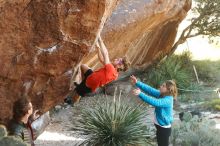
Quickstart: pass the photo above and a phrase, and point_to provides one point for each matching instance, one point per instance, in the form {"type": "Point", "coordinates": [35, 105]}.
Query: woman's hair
{"type": "Point", "coordinates": [172, 88]}
{"type": "Point", "coordinates": [126, 64]}
{"type": "Point", "coordinates": [21, 108]}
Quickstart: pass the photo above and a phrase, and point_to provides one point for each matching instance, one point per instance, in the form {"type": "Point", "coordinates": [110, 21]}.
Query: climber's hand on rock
{"type": "Point", "coordinates": [133, 79]}
{"type": "Point", "coordinates": [97, 45]}
{"type": "Point", "coordinates": [136, 92]}
{"type": "Point", "coordinates": [99, 35]}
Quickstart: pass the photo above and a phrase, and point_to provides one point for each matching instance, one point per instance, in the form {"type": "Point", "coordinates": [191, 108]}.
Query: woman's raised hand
{"type": "Point", "coordinates": [136, 92]}
{"type": "Point", "coordinates": [133, 79]}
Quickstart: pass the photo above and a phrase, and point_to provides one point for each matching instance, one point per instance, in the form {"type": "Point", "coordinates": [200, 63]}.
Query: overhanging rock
{"type": "Point", "coordinates": [42, 40]}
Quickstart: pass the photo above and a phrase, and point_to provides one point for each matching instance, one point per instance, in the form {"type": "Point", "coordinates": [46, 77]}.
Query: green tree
{"type": "Point", "coordinates": [206, 22]}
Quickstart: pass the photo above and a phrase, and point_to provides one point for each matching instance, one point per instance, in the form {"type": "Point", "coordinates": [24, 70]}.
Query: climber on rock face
{"type": "Point", "coordinates": [91, 80]}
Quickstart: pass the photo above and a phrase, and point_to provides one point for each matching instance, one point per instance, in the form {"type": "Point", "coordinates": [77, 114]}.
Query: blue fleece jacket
{"type": "Point", "coordinates": [163, 106]}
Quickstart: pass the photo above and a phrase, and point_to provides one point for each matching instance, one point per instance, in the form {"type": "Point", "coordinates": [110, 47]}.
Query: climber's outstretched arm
{"type": "Point", "coordinates": [101, 59]}
{"type": "Point", "coordinates": [104, 51]}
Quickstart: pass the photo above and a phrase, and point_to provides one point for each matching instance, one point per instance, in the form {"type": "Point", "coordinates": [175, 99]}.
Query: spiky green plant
{"type": "Point", "coordinates": [176, 67]}
{"type": "Point", "coordinates": [113, 123]}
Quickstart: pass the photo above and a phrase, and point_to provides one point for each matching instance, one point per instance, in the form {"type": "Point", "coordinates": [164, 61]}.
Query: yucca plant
{"type": "Point", "coordinates": [176, 67]}
{"type": "Point", "coordinates": [113, 123]}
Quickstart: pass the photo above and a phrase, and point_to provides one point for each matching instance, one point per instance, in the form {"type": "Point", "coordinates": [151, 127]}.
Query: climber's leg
{"type": "Point", "coordinates": [81, 89]}
{"type": "Point", "coordinates": [84, 69]}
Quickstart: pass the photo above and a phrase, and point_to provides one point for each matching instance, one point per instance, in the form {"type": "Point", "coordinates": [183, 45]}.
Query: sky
{"type": "Point", "coordinates": [199, 46]}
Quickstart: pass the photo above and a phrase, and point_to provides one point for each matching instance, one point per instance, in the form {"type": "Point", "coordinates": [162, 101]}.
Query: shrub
{"type": "Point", "coordinates": [195, 132]}
{"type": "Point", "coordinates": [207, 70]}
{"type": "Point", "coordinates": [180, 69]}
{"type": "Point", "coordinates": [176, 67]}
{"type": "Point", "coordinates": [196, 95]}
{"type": "Point", "coordinates": [214, 104]}
{"type": "Point", "coordinates": [112, 123]}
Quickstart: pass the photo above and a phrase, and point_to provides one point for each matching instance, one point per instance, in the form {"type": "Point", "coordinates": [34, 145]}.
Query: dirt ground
{"type": "Point", "coordinates": [59, 132]}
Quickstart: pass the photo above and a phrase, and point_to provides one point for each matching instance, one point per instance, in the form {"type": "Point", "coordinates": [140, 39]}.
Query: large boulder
{"type": "Point", "coordinates": [43, 41]}
{"type": "Point", "coordinates": [142, 30]}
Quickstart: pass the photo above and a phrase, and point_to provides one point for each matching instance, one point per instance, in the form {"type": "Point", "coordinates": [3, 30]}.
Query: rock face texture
{"type": "Point", "coordinates": [142, 30]}
{"type": "Point", "coordinates": [40, 42]}
{"type": "Point", "coordinates": [43, 41]}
